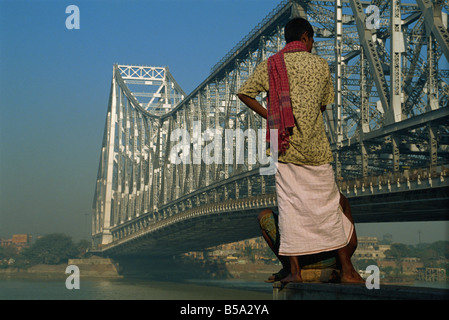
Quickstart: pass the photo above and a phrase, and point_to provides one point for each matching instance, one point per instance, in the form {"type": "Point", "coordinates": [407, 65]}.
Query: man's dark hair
{"type": "Point", "coordinates": [295, 28]}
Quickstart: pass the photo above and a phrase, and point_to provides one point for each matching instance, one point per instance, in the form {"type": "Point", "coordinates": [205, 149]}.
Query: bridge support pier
{"type": "Point", "coordinates": [106, 236]}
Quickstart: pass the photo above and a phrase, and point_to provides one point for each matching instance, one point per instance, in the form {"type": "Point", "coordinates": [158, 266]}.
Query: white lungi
{"type": "Point", "coordinates": [311, 219]}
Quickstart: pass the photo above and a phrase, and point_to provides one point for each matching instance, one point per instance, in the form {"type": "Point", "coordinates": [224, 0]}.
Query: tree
{"type": "Point", "coordinates": [397, 251]}
{"type": "Point", "coordinates": [8, 252]}
{"type": "Point", "coordinates": [51, 249]}
{"type": "Point", "coordinates": [441, 247]}
{"type": "Point", "coordinates": [82, 247]}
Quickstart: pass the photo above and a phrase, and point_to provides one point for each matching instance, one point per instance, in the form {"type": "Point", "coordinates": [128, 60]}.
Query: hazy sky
{"type": "Point", "coordinates": [54, 90]}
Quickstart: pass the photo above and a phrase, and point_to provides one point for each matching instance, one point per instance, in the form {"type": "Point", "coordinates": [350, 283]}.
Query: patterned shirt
{"type": "Point", "coordinates": [310, 88]}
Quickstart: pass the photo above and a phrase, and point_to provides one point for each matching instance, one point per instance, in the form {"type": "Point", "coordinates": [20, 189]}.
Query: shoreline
{"type": "Point", "coordinates": [104, 268]}
{"type": "Point", "coordinates": [93, 267]}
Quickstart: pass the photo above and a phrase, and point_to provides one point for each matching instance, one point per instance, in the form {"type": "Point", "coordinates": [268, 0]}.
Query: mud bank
{"type": "Point", "coordinates": [93, 267]}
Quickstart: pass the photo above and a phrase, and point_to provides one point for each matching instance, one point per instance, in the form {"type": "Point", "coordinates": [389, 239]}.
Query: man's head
{"type": "Point", "coordinates": [299, 29]}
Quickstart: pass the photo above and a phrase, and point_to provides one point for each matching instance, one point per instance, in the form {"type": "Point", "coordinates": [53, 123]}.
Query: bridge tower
{"type": "Point", "coordinates": [132, 139]}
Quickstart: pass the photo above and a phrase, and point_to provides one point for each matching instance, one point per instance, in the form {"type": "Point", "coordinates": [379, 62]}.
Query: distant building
{"type": "Point", "coordinates": [369, 248]}
{"type": "Point", "coordinates": [19, 241]}
{"type": "Point", "coordinates": [431, 274]}
{"type": "Point", "coordinates": [5, 243]}
{"type": "Point", "coordinates": [235, 252]}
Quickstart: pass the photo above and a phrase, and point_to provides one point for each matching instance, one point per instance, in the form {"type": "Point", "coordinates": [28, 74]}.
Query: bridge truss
{"type": "Point", "coordinates": [169, 174]}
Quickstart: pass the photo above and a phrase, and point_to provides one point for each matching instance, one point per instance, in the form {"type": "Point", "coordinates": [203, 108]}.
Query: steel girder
{"type": "Point", "coordinates": [431, 11]}
{"type": "Point", "coordinates": [153, 87]}
{"type": "Point", "coordinates": [397, 85]}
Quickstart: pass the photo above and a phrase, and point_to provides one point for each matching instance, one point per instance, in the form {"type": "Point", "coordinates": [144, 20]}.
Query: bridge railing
{"type": "Point", "coordinates": [409, 179]}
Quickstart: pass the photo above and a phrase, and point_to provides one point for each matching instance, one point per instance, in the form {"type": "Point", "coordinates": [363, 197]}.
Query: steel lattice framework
{"type": "Point", "coordinates": [388, 126]}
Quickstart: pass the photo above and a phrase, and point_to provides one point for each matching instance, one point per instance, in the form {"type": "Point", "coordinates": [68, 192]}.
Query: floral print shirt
{"type": "Point", "coordinates": [310, 88]}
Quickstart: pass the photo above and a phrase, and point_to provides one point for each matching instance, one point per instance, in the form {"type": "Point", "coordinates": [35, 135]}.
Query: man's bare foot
{"type": "Point", "coordinates": [278, 276]}
{"type": "Point", "coordinates": [352, 277]}
{"type": "Point", "coordinates": [292, 278]}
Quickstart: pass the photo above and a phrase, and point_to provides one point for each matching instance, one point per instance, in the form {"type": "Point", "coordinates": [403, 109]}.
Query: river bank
{"type": "Point", "coordinates": [93, 267]}
{"type": "Point", "coordinates": [159, 268]}
{"type": "Point", "coordinates": [164, 270]}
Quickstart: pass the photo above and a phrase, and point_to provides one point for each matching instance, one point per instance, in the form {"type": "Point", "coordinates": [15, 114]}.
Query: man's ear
{"type": "Point", "coordinates": [305, 36]}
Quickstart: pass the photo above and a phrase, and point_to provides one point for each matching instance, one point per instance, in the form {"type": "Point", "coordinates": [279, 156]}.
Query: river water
{"type": "Point", "coordinates": [134, 289]}
{"type": "Point", "coordinates": [143, 289]}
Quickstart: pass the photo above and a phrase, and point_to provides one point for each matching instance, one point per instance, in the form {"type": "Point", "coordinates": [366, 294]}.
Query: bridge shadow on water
{"type": "Point", "coordinates": [164, 268]}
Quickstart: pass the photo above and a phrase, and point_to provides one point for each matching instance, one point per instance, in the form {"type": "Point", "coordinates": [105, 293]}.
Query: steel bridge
{"type": "Point", "coordinates": [181, 172]}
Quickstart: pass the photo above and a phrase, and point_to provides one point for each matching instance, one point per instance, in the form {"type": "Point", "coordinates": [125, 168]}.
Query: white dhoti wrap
{"type": "Point", "coordinates": [310, 216]}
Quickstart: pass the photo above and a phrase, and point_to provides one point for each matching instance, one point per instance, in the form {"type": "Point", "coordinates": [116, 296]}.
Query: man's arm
{"type": "Point", "coordinates": [253, 104]}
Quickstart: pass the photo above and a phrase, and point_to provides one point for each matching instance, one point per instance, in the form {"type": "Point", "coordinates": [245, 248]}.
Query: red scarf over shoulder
{"type": "Point", "coordinates": [279, 110]}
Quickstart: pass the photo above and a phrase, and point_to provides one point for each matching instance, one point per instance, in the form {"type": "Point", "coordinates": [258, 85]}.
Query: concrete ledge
{"type": "Point", "coordinates": [337, 291]}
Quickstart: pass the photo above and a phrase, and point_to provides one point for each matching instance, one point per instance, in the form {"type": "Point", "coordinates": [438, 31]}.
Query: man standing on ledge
{"type": "Point", "coordinates": [299, 87]}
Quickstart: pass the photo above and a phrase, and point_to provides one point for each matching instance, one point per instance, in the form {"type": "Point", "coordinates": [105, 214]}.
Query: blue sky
{"type": "Point", "coordinates": [54, 89]}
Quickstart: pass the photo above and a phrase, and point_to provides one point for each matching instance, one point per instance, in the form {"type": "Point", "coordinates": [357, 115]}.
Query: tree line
{"type": "Point", "coordinates": [429, 253]}
{"type": "Point", "coordinates": [51, 249]}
